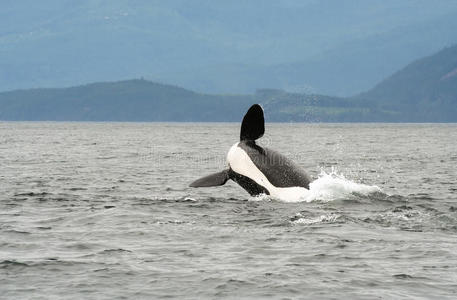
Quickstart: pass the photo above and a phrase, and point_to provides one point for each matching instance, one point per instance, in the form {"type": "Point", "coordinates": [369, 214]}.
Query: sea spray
{"type": "Point", "coordinates": [328, 187]}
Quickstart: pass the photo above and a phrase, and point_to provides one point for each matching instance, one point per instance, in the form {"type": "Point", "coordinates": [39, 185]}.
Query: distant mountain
{"type": "Point", "coordinates": [357, 65]}
{"type": "Point", "coordinates": [344, 69]}
{"type": "Point", "coordinates": [424, 91]}
{"type": "Point", "coordinates": [130, 100]}
{"type": "Point", "coordinates": [141, 100]}
{"type": "Point", "coordinates": [328, 46]}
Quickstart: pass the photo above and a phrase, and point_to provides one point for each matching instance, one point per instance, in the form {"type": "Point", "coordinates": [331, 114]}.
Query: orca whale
{"type": "Point", "coordinates": [256, 169]}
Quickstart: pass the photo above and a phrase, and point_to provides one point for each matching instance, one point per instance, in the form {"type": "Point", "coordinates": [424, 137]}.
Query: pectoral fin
{"type": "Point", "coordinates": [215, 179]}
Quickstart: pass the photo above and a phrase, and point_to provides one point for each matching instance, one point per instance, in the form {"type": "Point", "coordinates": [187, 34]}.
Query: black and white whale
{"type": "Point", "coordinates": [256, 169]}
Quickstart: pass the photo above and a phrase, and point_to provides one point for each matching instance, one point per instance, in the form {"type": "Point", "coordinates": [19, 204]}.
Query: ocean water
{"type": "Point", "coordinates": [104, 211]}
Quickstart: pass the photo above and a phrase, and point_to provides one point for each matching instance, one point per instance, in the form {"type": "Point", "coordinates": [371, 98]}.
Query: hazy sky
{"type": "Point", "coordinates": [336, 47]}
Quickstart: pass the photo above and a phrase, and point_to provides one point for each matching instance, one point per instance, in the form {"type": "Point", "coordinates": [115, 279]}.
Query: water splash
{"type": "Point", "coordinates": [330, 186]}
{"type": "Point", "coordinates": [333, 186]}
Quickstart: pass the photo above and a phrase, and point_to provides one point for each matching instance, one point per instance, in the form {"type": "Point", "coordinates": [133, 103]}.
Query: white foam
{"type": "Point", "coordinates": [332, 186]}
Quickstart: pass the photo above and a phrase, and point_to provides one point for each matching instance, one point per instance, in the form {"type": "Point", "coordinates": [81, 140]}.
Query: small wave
{"type": "Point", "coordinates": [114, 250]}
{"type": "Point", "coordinates": [13, 231]}
{"type": "Point", "coordinates": [51, 261]}
{"type": "Point", "coordinates": [8, 264]}
{"type": "Point", "coordinates": [143, 201]}
{"type": "Point", "coordinates": [403, 217]}
{"type": "Point", "coordinates": [327, 218]}
{"type": "Point", "coordinates": [32, 194]}
{"type": "Point", "coordinates": [77, 189]}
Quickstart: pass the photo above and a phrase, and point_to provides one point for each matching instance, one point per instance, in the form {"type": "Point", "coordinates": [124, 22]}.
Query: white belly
{"type": "Point", "coordinates": [240, 162]}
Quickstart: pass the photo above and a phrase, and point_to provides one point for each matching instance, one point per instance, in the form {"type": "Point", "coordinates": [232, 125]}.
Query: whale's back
{"type": "Point", "coordinates": [278, 169]}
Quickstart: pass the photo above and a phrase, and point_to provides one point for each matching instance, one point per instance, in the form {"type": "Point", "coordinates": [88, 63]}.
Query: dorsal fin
{"type": "Point", "coordinates": [253, 125]}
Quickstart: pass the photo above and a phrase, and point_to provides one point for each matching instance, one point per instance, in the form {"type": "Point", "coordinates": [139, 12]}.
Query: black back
{"type": "Point", "coordinates": [253, 125]}
{"type": "Point", "coordinates": [279, 170]}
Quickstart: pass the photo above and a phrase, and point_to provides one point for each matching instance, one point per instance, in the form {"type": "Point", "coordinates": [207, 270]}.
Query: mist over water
{"type": "Point", "coordinates": [103, 210]}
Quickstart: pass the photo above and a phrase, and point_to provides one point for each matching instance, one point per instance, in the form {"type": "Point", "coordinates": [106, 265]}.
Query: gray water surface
{"type": "Point", "coordinates": [104, 211]}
